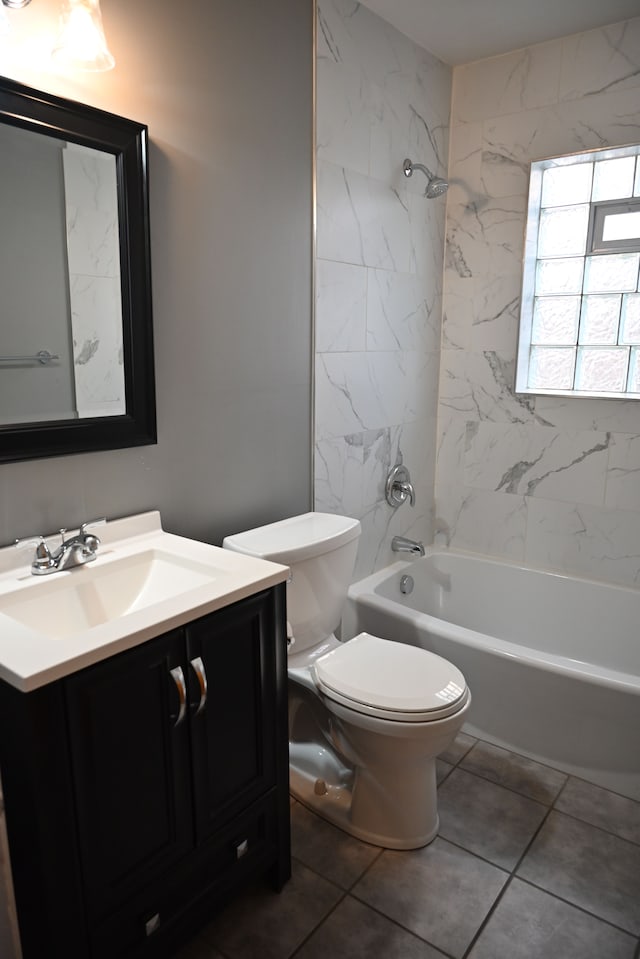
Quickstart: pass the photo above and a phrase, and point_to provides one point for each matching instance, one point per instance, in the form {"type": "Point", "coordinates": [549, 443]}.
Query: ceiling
{"type": "Point", "coordinates": [459, 31]}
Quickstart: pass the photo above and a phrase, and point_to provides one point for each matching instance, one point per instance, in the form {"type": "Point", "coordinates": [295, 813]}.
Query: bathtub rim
{"type": "Point", "coordinates": [364, 591]}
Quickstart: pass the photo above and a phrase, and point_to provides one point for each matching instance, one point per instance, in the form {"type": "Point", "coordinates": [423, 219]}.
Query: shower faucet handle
{"type": "Point", "coordinates": [399, 486]}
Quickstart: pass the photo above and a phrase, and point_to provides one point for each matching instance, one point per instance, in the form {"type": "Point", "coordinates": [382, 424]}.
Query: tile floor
{"type": "Point", "coordinates": [529, 864]}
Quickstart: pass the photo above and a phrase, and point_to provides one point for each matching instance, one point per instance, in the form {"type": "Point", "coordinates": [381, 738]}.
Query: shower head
{"type": "Point", "coordinates": [436, 185]}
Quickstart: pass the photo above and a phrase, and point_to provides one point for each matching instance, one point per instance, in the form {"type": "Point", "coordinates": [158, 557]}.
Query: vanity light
{"type": "Point", "coordinates": [16, 4]}
{"type": "Point", "coordinates": [81, 42]}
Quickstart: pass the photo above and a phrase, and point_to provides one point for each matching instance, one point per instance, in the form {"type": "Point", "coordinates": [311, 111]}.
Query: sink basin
{"type": "Point", "coordinates": [143, 583]}
{"type": "Point", "coordinates": [91, 595]}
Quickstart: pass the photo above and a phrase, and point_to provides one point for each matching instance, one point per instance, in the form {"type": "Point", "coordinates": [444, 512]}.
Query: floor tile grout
{"type": "Point", "coordinates": [318, 925]}
{"type": "Point", "coordinates": [397, 923]}
{"type": "Point", "coordinates": [575, 905]}
{"type": "Point", "coordinates": [511, 789]}
{"type": "Point", "coordinates": [593, 825]}
{"type": "Point", "coordinates": [349, 891]}
{"type": "Point", "coordinates": [488, 916]}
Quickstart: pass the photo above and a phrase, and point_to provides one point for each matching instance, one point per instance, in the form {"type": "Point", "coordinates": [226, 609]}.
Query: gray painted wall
{"type": "Point", "coordinates": [226, 90]}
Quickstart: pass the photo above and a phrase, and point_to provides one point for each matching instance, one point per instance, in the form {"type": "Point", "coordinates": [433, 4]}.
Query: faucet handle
{"type": "Point", "coordinates": [43, 558]}
{"type": "Point", "coordinates": [90, 540]}
{"type": "Point", "coordinates": [92, 522]}
{"type": "Point", "coordinates": [398, 486]}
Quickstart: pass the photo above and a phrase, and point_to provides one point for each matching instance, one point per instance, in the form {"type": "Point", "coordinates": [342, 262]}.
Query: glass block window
{"type": "Point", "coordinates": [580, 314]}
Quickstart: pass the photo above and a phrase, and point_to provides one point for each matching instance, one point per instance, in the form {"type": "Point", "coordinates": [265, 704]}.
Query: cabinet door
{"type": "Point", "coordinates": [130, 756]}
{"type": "Point", "coordinates": [233, 735]}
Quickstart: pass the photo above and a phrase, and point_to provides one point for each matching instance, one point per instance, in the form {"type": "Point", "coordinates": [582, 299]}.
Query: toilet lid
{"type": "Point", "coordinates": [391, 679]}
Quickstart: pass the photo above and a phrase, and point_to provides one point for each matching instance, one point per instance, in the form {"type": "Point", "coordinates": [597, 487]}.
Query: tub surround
{"type": "Point", "coordinates": [379, 262]}
{"type": "Point", "coordinates": [549, 481]}
{"type": "Point", "coordinates": [551, 660]}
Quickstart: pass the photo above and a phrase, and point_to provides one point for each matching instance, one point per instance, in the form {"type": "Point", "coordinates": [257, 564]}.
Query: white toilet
{"type": "Point", "coordinates": [367, 717]}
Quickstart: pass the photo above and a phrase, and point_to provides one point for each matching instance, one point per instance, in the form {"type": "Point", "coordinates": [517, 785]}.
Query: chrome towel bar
{"type": "Point", "coordinates": [42, 356]}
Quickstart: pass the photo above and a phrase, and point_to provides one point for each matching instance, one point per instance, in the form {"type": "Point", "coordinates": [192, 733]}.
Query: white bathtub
{"type": "Point", "coordinates": [553, 663]}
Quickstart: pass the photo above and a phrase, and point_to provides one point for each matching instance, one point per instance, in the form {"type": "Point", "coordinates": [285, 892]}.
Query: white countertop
{"type": "Point", "coordinates": [31, 657]}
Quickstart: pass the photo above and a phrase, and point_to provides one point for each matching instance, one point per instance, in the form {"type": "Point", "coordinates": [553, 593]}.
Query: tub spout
{"type": "Point", "coordinates": [400, 544]}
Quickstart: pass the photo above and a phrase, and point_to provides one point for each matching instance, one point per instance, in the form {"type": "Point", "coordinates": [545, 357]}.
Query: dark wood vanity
{"type": "Point", "coordinates": [140, 797]}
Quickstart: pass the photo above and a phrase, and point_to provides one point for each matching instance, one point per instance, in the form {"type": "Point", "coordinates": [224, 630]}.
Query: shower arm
{"type": "Point", "coordinates": [408, 168]}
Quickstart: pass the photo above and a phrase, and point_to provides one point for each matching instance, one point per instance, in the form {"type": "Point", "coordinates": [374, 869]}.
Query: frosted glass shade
{"type": "Point", "coordinates": [81, 42]}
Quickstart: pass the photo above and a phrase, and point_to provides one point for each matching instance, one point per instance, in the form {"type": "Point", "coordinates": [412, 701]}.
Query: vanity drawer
{"type": "Point", "coordinates": [154, 922]}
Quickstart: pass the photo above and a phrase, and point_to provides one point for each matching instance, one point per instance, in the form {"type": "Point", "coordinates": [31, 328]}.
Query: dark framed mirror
{"type": "Point", "coordinates": [76, 333]}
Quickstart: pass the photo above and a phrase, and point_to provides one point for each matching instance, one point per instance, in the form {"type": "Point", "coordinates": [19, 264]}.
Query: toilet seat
{"type": "Point", "coordinates": [391, 680]}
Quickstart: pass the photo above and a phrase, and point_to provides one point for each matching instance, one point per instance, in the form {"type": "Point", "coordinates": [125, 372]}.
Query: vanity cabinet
{"type": "Point", "coordinates": [141, 792]}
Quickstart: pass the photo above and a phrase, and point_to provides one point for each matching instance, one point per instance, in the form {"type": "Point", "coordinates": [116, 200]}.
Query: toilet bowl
{"type": "Point", "coordinates": [367, 717]}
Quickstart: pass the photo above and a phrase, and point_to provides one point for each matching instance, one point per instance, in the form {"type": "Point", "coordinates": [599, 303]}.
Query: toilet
{"type": "Point", "coordinates": [367, 717]}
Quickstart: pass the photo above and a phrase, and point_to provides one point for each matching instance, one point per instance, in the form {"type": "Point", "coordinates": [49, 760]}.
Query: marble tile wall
{"type": "Point", "coordinates": [379, 247]}
{"type": "Point", "coordinates": [550, 481]}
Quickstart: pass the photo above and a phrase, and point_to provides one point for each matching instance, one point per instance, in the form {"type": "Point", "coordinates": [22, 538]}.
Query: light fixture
{"type": "Point", "coordinates": [16, 4]}
{"type": "Point", "coordinates": [81, 43]}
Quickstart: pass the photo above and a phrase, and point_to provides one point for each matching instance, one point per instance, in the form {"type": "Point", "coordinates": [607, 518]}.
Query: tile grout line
{"type": "Point", "coordinates": [512, 876]}
{"type": "Point", "coordinates": [346, 893]}
{"type": "Point", "coordinates": [398, 924]}
{"type": "Point", "coordinates": [550, 805]}
{"type": "Point", "coordinates": [511, 789]}
{"type": "Point", "coordinates": [575, 905]}
{"type": "Point", "coordinates": [593, 825]}
{"type": "Point", "coordinates": [318, 925]}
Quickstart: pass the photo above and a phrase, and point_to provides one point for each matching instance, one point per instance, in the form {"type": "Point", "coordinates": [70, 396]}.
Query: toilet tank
{"type": "Point", "coordinates": [320, 549]}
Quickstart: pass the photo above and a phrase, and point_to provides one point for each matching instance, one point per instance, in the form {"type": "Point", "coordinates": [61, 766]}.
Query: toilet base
{"type": "Point", "coordinates": [332, 798]}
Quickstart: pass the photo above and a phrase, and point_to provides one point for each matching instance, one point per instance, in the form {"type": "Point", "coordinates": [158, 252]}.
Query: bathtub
{"type": "Point", "coordinates": [553, 662]}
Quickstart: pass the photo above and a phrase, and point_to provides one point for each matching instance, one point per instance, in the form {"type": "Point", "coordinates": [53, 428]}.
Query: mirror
{"type": "Point", "coordinates": [76, 345]}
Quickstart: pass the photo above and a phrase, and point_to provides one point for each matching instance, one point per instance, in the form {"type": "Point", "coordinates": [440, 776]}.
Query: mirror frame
{"type": "Point", "coordinates": [44, 113]}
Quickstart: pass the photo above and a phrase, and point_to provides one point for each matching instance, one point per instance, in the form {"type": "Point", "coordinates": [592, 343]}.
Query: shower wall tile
{"type": "Point", "coordinates": [552, 480]}
{"type": "Point", "coordinates": [496, 313]}
{"type": "Point", "coordinates": [601, 60]}
{"type": "Point", "coordinates": [343, 117]}
{"type": "Point", "coordinates": [621, 416]}
{"type": "Point", "coordinates": [361, 220]}
{"type": "Point", "coordinates": [509, 84]}
{"type": "Point", "coordinates": [480, 386]}
{"type": "Point", "coordinates": [366, 391]}
{"type": "Point", "coordinates": [403, 313]}
{"type": "Point", "coordinates": [338, 475]}
{"type": "Point", "coordinates": [483, 521]}
{"type": "Point", "coordinates": [603, 119]}
{"type": "Point", "coordinates": [457, 319]}
{"type": "Point", "coordinates": [623, 478]}
{"type": "Point", "coordinates": [525, 460]}
{"type": "Point", "coordinates": [341, 307]}
{"type": "Point", "coordinates": [584, 540]}
{"type": "Point", "coordinates": [380, 250]}
{"type": "Point", "coordinates": [426, 234]}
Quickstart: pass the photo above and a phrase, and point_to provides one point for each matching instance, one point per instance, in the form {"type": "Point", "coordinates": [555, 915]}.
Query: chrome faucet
{"type": "Point", "coordinates": [401, 544]}
{"type": "Point", "coordinates": [75, 551]}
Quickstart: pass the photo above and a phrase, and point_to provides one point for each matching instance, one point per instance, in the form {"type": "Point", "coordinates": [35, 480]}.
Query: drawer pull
{"type": "Point", "coordinates": [242, 848]}
{"type": "Point", "coordinates": [178, 677]}
{"type": "Point", "coordinates": [198, 667]}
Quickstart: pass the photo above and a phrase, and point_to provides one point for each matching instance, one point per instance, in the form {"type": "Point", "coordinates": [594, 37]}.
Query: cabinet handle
{"type": "Point", "coordinates": [178, 677]}
{"type": "Point", "coordinates": [198, 667]}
